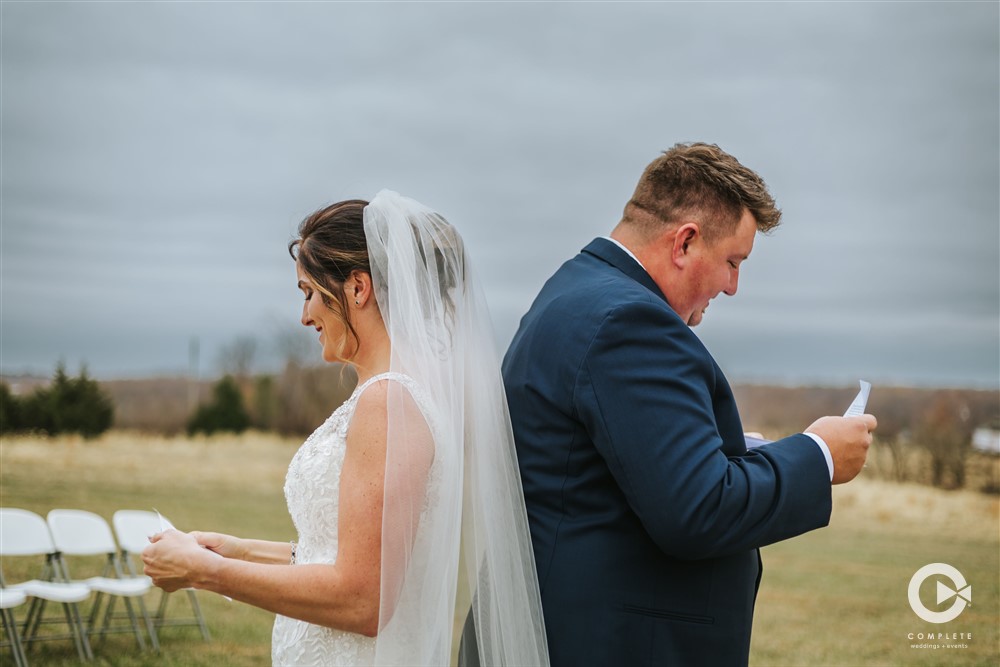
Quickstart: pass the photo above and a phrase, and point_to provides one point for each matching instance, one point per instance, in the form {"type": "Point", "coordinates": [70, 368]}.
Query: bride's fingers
{"type": "Point", "coordinates": [208, 540]}
{"type": "Point", "coordinates": [156, 537]}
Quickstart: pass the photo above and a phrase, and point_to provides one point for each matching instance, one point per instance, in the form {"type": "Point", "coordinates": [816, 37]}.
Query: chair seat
{"type": "Point", "coordinates": [11, 598]}
{"type": "Point", "coordinates": [53, 591]}
{"type": "Point", "coordinates": [131, 587]}
{"type": "Point", "coordinates": [133, 528]}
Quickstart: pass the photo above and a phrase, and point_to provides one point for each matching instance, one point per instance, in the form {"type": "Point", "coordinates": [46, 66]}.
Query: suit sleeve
{"type": "Point", "coordinates": [645, 392]}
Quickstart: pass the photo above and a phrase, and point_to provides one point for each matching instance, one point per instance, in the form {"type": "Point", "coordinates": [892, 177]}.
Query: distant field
{"type": "Point", "coordinates": [833, 597]}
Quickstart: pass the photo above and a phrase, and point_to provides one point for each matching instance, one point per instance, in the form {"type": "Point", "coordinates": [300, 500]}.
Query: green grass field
{"type": "Point", "coordinates": [834, 597]}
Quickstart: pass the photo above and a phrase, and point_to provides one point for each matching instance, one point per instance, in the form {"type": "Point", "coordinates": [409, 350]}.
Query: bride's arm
{"type": "Point", "coordinates": [255, 551]}
{"type": "Point", "coordinates": [344, 595]}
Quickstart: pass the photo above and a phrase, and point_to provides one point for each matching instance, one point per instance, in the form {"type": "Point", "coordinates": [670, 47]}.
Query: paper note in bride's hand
{"type": "Point", "coordinates": [860, 401]}
{"type": "Point", "coordinates": [857, 408]}
{"type": "Point", "coordinates": [166, 525]}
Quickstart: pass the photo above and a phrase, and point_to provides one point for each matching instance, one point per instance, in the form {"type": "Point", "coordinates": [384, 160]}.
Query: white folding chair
{"type": "Point", "coordinates": [81, 533]}
{"type": "Point", "coordinates": [8, 600]}
{"type": "Point", "coordinates": [133, 528]}
{"type": "Point", "coordinates": [24, 533]}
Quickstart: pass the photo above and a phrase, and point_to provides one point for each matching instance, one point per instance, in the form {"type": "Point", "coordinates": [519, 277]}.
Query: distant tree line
{"type": "Point", "coordinates": [66, 405]}
{"type": "Point", "coordinates": [924, 435]}
{"type": "Point", "coordinates": [293, 402]}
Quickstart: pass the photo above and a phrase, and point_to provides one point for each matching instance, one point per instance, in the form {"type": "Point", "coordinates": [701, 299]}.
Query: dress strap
{"type": "Point", "coordinates": [415, 390]}
{"type": "Point", "coordinates": [404, 380]}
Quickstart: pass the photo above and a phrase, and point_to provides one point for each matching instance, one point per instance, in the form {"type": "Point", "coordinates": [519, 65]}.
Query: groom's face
{"type": "Point", "coordinates": [713, 267]}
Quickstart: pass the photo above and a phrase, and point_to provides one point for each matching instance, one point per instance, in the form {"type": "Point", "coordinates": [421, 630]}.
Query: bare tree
{"type": "Point", "coordinates": [237, 357]}
{"type": "Point", "coordinates": [945, 431]}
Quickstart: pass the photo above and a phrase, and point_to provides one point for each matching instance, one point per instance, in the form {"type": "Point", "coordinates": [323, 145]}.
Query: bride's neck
{"type": "Point", "coordinates": [374, 350]}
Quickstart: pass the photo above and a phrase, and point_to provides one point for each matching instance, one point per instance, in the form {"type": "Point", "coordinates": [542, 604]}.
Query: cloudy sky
{"type": "Point", "coordinates": [155, 159]}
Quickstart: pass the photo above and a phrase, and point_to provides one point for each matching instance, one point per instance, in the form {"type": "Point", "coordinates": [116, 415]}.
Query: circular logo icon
{"type": "Point", "coordinates": [959, 589]}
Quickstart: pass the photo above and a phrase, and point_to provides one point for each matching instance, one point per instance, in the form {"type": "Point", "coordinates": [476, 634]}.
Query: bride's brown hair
{"type": "Point", "coordinates": [330, 247]}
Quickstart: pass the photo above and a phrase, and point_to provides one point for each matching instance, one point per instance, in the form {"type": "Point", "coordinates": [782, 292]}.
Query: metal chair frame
{"type": "Point", "coordinates": [8, 600]}
{"type": "Point", "coordinates": [24, 533]}
{"type": "Point", "coordinates": [82, 533]}
{"type": "Point", "coordinates": [133, 528]}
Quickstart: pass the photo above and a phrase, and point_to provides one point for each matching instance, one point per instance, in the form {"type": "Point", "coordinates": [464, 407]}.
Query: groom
{"type": "Point", "coordinates": [646, 509]}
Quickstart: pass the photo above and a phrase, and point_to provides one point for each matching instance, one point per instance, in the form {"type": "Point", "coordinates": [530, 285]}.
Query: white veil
{"type": "Point", "coordinates": [451, 472]}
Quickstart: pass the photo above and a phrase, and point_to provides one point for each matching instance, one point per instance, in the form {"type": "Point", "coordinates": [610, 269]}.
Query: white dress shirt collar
{"type": "Point", "coordinates": [629, 252]}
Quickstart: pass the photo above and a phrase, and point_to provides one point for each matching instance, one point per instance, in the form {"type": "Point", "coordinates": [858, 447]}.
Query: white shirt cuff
{"type": "Point", "coordinates": [826, 451]}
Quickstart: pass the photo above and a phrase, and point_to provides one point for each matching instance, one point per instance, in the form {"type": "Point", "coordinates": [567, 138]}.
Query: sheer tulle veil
{"type": "Point", "coordinates": [451, 472]}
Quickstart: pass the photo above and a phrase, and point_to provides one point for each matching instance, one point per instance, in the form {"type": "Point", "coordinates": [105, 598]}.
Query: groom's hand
{"type": "Point", "coordinates": [848, 439]}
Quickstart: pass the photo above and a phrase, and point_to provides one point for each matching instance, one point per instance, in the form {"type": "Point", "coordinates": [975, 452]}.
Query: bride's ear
{"type": "Point", "coordinates": [359, 289]}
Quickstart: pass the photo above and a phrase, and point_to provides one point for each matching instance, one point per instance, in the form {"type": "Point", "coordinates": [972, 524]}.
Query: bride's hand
{"type": "Point", "coordinates": [222, 544]}
{"type": "Point", "coordinates": [175, 560]}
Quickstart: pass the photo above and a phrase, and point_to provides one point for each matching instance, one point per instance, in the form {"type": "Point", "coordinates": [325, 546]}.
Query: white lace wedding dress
{"type": "Point", "coordinates": [312, 492]}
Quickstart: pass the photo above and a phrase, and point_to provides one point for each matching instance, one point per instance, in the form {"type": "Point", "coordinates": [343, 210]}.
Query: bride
{"type": "Point", "coordinates": [416, 466]}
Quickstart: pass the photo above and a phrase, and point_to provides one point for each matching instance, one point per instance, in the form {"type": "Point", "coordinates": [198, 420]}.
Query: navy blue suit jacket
{"type": "Point", "coordinates": [646, 510]}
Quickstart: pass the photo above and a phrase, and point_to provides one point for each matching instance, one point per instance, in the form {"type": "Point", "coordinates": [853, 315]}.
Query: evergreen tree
{"type": "Point", "coordinates": [67, 405]}
{"type": "Point", "coordinates": [225, 412]}
{"type": "Point", "coordinates": [10, 411]}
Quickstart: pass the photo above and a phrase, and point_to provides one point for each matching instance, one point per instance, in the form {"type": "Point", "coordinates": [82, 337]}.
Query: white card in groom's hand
{"type": "Point", "coordinates": [857, 408]}
{"type": "Point", "coordinates": [860, 401]}
{"type": "Point", "coordinates": [755, 442]}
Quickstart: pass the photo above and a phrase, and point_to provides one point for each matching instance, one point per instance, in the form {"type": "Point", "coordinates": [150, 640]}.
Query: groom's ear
{"type": "Point", "coordinates": [684, 237]}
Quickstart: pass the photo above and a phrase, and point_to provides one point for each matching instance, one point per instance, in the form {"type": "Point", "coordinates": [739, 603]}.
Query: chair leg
{"type": "Point", "coordinates": [161, 609]}
{"type": "Point", "coordinates": [10, 627]}
{"type": "Point", "coordinates": [32, 620]}
{"type": "Point", "coordinates": [161, 614]}
{"type": "Point", "coordinates": [95, 612]}
{"type": "Point", "coordinates": [197, 614]}
{"type": "Point", "coordinates": [79, 632]}
{"type": "Point", "coordinates": [139, 639]}
{"type": "Point", "coordinates": [150, 625]}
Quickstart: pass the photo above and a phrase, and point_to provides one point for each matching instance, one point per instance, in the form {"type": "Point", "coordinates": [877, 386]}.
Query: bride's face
{"type": "Point", "coordinates": [328, 322]}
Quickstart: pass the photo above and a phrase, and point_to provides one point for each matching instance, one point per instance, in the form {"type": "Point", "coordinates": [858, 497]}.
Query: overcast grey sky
{"type": "Point", "coordinates": [157, 157]}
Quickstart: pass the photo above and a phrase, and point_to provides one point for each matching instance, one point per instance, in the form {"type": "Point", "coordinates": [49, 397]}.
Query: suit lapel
{"type": "Point", "coordinates": [609, 252]}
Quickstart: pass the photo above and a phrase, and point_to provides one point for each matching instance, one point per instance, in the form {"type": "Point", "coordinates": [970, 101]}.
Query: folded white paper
{"type": "Point", "coordinates": [166, 525]}
{"type": "Point", "coordinates": [856, 409]}
{"type": "Point", "coordinates": [860, 401]}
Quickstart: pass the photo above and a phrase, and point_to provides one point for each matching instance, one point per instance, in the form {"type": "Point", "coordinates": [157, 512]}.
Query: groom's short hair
{"type": "Point", "coordinates": [702, 182]}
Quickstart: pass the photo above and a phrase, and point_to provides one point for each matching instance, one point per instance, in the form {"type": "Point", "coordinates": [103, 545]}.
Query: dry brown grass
{"type": "Point", "coordinates": [908, 509]}
{"type": "Point", "coordinates": [152, 459]}
{"type": "Point", "coordinates": [835, 596]}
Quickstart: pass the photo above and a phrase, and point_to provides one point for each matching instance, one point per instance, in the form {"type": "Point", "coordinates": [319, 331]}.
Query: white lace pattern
{"type": "Point", "coordinates": [312, 491]}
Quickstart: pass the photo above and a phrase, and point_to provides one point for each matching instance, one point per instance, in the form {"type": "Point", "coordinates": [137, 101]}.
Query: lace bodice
{"type": "Point", "coordinates": [312, 492]}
